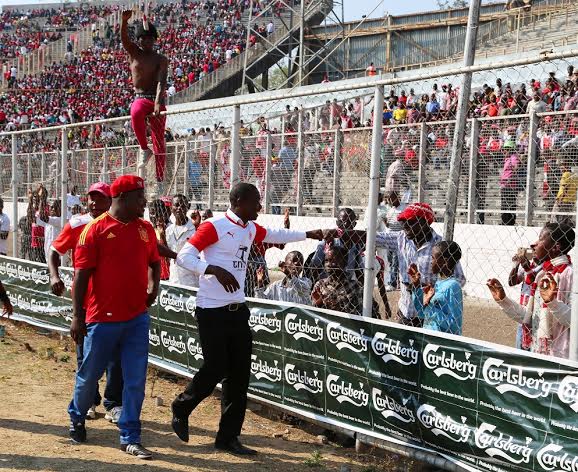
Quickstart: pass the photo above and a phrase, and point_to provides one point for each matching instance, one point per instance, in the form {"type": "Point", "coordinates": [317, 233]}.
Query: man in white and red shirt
{"type": "Point", "coordinates": [218, 253]}
{"type": "Point", "coordinates": [99, 201]}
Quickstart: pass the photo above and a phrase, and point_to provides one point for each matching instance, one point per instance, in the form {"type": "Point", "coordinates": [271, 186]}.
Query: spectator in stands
{"type": "Point", "coordinates": [439, 307]}
{"type": "Point", "coordinates": [48, 217]}
{"type": "Point", "coordinates": [370, 71]}
{"type": "Point", "coordinates": [566, 197]}
{"type": "Point", "coordinates": [509, 188]}
{"type": "Point", "coordinates": [536, 105]}
{"type": "Point", "coordinates": [548, 310]}
{"type": "Point", "coordinates": [282, 176]}
{"type": "Point", "coordinates": [293, 288]}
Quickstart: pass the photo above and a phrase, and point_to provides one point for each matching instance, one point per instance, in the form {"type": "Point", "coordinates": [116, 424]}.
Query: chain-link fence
{"type": "Point", "coordinates": [311, 155]}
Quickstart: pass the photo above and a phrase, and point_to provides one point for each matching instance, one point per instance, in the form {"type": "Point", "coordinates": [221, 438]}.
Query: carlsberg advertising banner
{"type": "Point", "coordinates": [487, 407]}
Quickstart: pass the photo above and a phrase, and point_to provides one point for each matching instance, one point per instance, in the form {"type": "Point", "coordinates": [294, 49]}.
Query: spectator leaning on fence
{"type": "Point", "coordinates": [548, 308]}
{"type": "Point", "coordinates": [177, 234]}
{"type": "Point", "coordinates": [4, 230]}
{"type": "Point", "coordinates": [414, 245]}
{"type": "Point", "coordinates": [440, 307]}
{"type": "Point", "coordinates": [293, 288]}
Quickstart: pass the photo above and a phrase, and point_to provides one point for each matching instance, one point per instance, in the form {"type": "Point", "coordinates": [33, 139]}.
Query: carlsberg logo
{"type": "Point", "coordinates": [301, 380]}
{"type": "Point", "coordinates": [154, 338]}
{"type": "Point", "coordinates": [303, 329]}
{"type": "Point", "coordinates": [509, 378]}
{"type": "Point", "coordinates": [553, 458]}
{"type": "Point", "coordinates": [171, 343]}
{"type": "Point", "coordinates": [501, 445]}
{"type": "Point", "coordinates": [347, 392]}
{"type": "Point", "coordinates": [262, 322]}
{"type": "Point", "coordinates": [172, 302]}
{"type": "Point", "coordinates": [393, 350]}
{"type": "Point", "coordinates": [194, 348]}
{"type": "Point", "coordinates": [389, 408]}
{"type": "Point", "coordinates": [437, 359]}
{"type": "Point", "coordinates": [568, 391]}
{"type": "Point", "coordinates": [442, 425]}
{"type": "Point", "coordinates": [344, 338]}
{"type": "Point", "coordinates": [262, 370]}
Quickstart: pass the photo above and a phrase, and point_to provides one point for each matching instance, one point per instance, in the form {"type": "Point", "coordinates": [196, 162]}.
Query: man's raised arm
{"type": "Point", "coordinates": [128, 45]}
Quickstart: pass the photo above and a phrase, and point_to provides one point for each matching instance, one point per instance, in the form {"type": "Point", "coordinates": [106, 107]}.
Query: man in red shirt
{"type": "Point", "coordinates": [221, 312]}
{"type": "Point", "coordinates": [113, 289]}
{"type": "Point", "coordinates": [98, 202]}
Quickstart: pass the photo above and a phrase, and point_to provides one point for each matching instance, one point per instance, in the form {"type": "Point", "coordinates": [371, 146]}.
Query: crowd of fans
{"type": "Point", "coordinates": [198, 38]}
{"type": "Point", "coordinates": [429, 281]}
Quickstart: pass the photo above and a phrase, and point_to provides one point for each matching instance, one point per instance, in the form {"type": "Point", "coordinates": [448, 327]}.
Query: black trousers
{"type": "Point", "coordinates": [508, 206]}
{"type": "Point", "coordinates": [227, 344]}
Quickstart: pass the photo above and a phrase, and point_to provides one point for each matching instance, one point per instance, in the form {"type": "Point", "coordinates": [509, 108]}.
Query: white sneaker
{"type": "Point", "coordinates": [91, 413]}
{"type": "Point", "coordinates": [113, 415]}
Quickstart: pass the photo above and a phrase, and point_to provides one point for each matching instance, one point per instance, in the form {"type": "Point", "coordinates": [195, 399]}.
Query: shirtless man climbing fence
{"type": "Point", "coordinates": [149, 76]}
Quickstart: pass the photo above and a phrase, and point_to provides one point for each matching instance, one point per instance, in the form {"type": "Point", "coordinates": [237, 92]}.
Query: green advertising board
{"type": "Point", "coordinates": [484, 406]}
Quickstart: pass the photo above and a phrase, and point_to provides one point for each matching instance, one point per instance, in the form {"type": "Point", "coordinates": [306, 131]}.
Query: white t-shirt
{"type": "Point", "coordinates": [4, 226]}
{"type": "Point", "coordinates": [177, 236]}
{"type": "Point", "coordinates": [52, 229]}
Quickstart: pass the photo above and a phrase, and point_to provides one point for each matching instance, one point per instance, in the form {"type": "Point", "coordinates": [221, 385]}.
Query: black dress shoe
{"type": "Point", "coordinates": [234, 447]}
{"type": "Point", "coordinates": [181, 427]}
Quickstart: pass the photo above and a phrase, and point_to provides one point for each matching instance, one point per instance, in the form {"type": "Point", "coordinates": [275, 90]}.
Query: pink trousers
{"type": "Point", "coordinates": [140, 109]}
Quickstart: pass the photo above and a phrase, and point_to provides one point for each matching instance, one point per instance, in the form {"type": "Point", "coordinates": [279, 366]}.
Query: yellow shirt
{"type": "Point", "coordinates": [399, 114]}
{"type": "Point", "coordinates": [568, 188]}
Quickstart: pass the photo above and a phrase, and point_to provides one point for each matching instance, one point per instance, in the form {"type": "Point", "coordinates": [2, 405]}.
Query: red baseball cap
{"type": "Point", "coordinates": [126, 183]}
{"type": "Point", "coordinates": [100, 187]}
{"type": "Point", "coordinates": [417, 210]}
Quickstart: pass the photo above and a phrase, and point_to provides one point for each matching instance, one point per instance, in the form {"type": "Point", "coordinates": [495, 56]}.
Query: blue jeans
{"type": "Point", "coordinates": [113, 389]}
{"type": "Point", "coordinates": [130, 339]}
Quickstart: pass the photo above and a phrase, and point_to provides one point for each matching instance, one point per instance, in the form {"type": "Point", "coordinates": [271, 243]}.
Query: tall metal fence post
{"type": "Point", "coordinates": [573, 351]}
{"type": "Point", "coordinates": [123, 159]}
{"type": "Point", "coordinates": [235, 161]}
{"type": "Point", "coordinates": [268, 163]}
{"type": "Point", "coordinates": [104, 177]}
{"type": "Point", "coordinates": [88, 166]}
{"type": "Point", "coordinates": [421, 179]}
{"type": "Point", "coordinates": [532, 156]}
{"type": "Point", "coordinates": [461, 118]}
{"type": "Point", "coordinates": [336, 171]}
{"type": "Point", "coordinates": [14, 196]}
{"type": "Point", "coordinates": [43, 167]}
{"type": "Point", "coordinates": [374, 174]}
{"type": "Point", "coordinates": [473, 180]}
{"type": "Point", "coordinates": [29, 170]}
{"type": "Point", "coordinates": [186, 169]}
{"type": "Point", "coordinates": [212, 156]}
{"type": "Point", "coordinates": [300, 162]}
{"type": "Point", "coordinates": [63, 177]}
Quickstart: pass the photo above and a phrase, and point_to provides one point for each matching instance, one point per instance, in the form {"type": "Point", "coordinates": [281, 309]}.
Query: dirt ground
{"type": "Point", "coordinates": [36, 379]}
